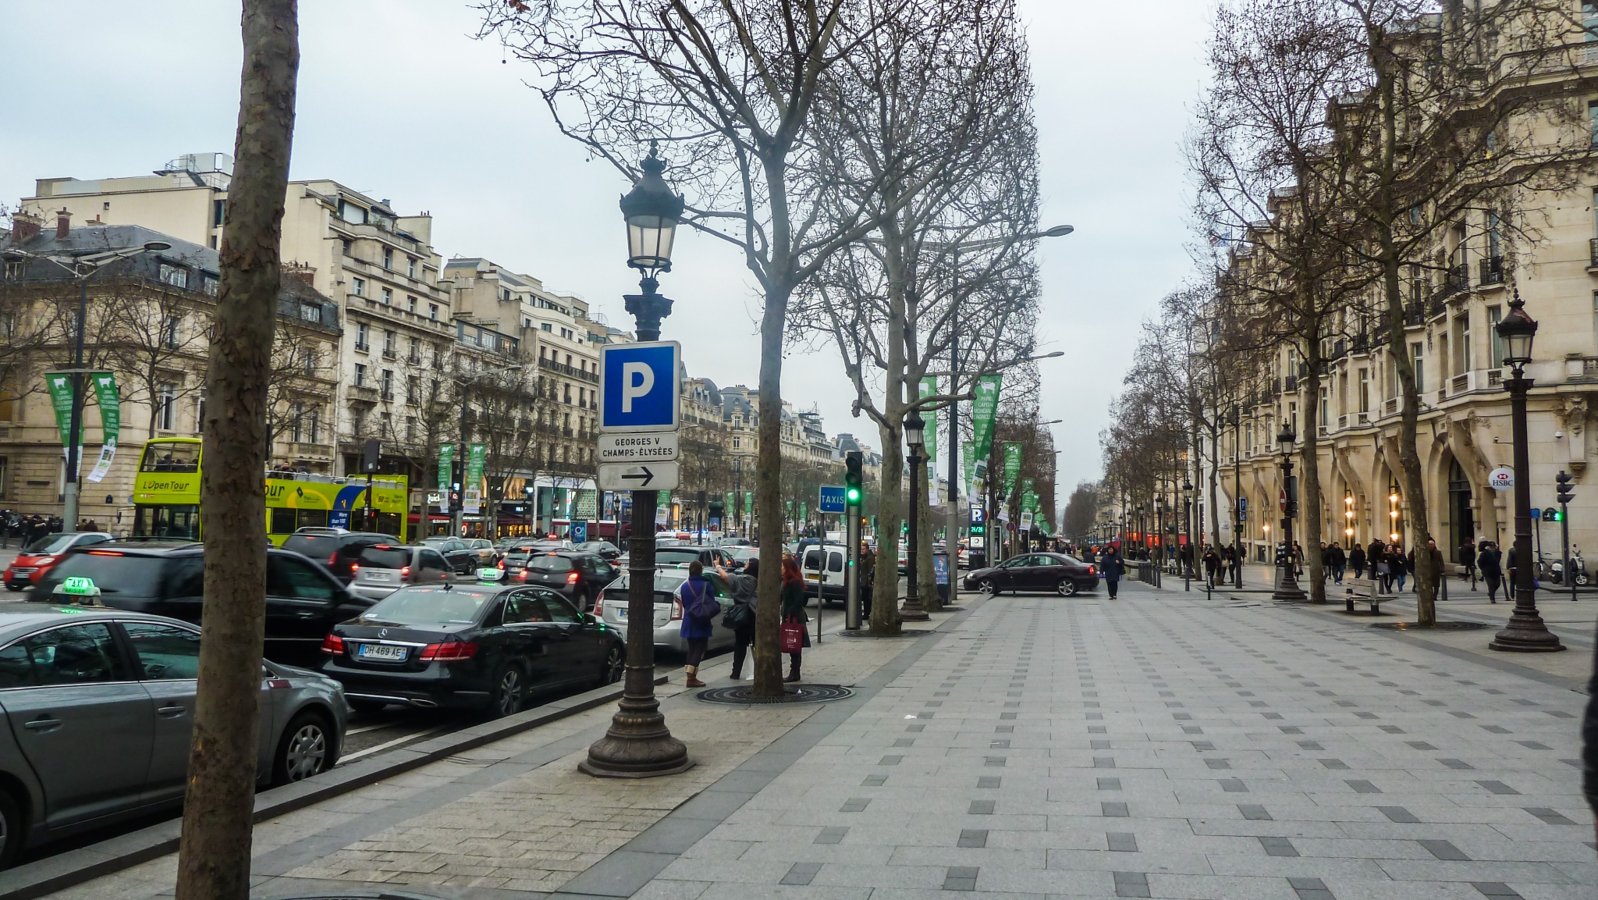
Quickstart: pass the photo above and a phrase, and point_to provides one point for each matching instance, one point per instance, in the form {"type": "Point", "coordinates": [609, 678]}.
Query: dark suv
{"type": "Point", "coordinates": [303, 599]}
{"type": "Point", "coordinates": [578, 576]}
{"type": "Point", "coordinates": [339, 551]}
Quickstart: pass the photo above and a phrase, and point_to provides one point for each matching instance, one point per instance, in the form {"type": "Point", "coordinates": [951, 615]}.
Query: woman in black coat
{"type": "Point", "coordinates": [1356, 560]}
{"type": "Point", "coordinates": [745, 594]}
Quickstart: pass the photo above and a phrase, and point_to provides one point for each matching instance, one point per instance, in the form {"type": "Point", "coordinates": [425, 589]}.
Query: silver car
{"type": "Point", "coordinates": [99, 705]}
{"type": "Point", "coordinates": [611, 606]}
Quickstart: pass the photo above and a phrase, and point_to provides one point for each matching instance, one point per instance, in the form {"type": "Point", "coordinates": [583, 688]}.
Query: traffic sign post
{"type": "Point", "coordinates": [831, 500]}
{"type": "Point", "coordinates": [638, 386]}
{"type": "Point", "coordinates": [655, 476]}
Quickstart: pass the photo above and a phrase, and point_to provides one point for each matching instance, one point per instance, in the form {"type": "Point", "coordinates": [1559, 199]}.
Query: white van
{"type": "Point", "coordinates": [824, 564]}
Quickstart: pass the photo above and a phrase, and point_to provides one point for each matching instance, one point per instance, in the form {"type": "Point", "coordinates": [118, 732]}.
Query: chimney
{"type": "Point", "coordinates": [63, 224]}
{"type": "Point", "coordinates": [25, 227]}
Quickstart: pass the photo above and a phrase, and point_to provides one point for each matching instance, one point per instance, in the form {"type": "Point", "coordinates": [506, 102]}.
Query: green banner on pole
{"type": "Point", "coordinates": [726, 509]}
{"type": "Point", "coordinates": [966, 453]}
{"type": "Point", "coordinates": [749, 503]}
{"type": "Point", "coordinates": [983, 409]}
{"type": "Point", "coordinates": [60, 385]}
{"type": "Point", "coordinates": [929, 388]}
{"type": "Point", "coordinates": [105, 389]}
{"type": "Point", "coordinates": [1012, 466]}
{"type": "Point", "coordinates": [476, 455]}
{"type": "Point", "coordinates": [446, 464]}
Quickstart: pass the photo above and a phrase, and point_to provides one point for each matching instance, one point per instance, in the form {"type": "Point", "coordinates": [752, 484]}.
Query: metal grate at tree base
{"type": "Point", "coordinates": [799, 693]}
{"type": "Point", "coordinates": [1440, 626]}
{"type": "Point", "coordinates": [903, 633]}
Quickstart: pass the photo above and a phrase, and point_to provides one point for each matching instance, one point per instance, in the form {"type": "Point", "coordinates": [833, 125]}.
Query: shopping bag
{"type": "Point", "coordinates": [793, 636]}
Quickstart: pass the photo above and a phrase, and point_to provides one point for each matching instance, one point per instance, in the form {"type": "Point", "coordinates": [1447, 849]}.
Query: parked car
{"type": "Point", "coordinates": [100, 705]}
{"type": "Point", "coordinates": [484, 548]}
{"type": "Point", "coordinates": [478, 645]}
{"type": "Point", "coordinates": [709, 557]}
{"type": "Point", "coordinates": [579, 577]}
{"type": "Point", "coordinates": [303, 599]}
{"type": "Point", "coordinates": [385, 568]}
{"type": "Point", "coordinates": [461, 557]}
{"type": "Point", "coordinates": [824, 564]}
{"type": "Point", "coordinates": [1064, 575]}
{"type": "Point", "coordinates": [603, 549]}
{"type": "Point", "coordinates": [38, 556]}
{"type": "Point", "coordinates": [611, 607]}
{"type": "Point", "coordinates": [337, 549]}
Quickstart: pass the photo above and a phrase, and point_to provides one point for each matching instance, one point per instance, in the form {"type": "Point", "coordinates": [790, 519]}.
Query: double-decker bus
{"type": "Point", "coordinates": [166, 497]}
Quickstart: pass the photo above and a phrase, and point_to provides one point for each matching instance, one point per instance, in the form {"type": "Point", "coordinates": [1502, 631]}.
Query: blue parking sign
{"type": "Point", "coordinates": [831, 500]}
{"type": "Point", "coordinates": [639, 388]}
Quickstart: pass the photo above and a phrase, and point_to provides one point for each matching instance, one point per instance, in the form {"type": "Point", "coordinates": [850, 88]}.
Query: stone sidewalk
{"type": "Point", "coordinates": [1158, 746]}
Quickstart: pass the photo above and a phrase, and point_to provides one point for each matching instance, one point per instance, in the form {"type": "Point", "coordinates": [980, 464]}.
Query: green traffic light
{"type": "Point", "coordinates": [852, 495]}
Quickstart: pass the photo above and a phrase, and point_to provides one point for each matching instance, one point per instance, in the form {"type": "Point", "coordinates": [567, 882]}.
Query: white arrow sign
{"type": "Point", "coordinates": [654, 476]}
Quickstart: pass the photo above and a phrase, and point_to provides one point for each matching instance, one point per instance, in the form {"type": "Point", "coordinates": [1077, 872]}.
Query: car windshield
{"type": "Point", "coordinates": [50, 543]}
{"type": "Point", "coordinates": [549, 564]}
{"type": "Point", "coordinates": [420, 606]}
{"type": "Point", "coordinates": [382, 556]}
{"type": "Point", "coordinates": [676, 553]}
{"type": "Point", "coordinates": [316, 546]}
{"type": "Point", "coordinates": [111, 571]}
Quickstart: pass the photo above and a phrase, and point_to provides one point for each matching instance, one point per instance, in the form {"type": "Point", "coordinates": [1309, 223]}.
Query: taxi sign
{"type": "Point", "coordinates": [490, 573]}
{"type": "Point", "coordinates": [78, 589]}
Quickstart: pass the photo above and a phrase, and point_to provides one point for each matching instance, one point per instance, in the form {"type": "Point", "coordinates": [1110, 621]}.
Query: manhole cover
{"type": "Point", "coordinates": [799, 693]}
{"type": "Point", "coordinates": [903, 633]}
{"type": "Point", "coordinates": [1440, 626]}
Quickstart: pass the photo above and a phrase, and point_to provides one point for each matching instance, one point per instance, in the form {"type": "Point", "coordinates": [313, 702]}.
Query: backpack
{"type": "Point", "coordinates": [704, 605]}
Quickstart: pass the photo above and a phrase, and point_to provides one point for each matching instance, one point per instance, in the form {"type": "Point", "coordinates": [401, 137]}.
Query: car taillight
{"type": "Point", "coordinates": [599, 605]}
{"type": "Point", "coordinates": [501, 565]}
{"type": "Point", "coordinates": [405, 572]}
{"type": "Point", "coordinates": [572, 576]}
{"type": "Point", "coordinates": [354, 567]}
{"type": "Point", "coordinates": [333, 644]}
{"type": "Point", "coordinates": [1092, 571]}
{"type": "Point", "coordinates": [449, 650]}
{"type": "Point", "coordinates": [676, 610]}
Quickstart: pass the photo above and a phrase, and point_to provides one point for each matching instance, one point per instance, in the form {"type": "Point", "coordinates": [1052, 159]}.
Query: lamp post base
{"type": "Point", "coordinates": [1526, 633]}
{"type": "Point", "coordinates": [638, 744]}
{"type": "Point", "coordinates": [913, 611]}
{"type": "Point", "coordinates": [1287, 586]}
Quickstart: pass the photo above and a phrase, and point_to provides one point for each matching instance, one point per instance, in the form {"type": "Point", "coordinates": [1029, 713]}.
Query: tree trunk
{"type": "Point", "coordinates": [926, 585]}
{"type": "Point", "coordinates": [1310, 507]}
{"type": "Point", "coordinates": [890, 513]}
{"type": "Point", "coordinates": [214, 855]}
{"type": "Point", "coordinates": [768, 497]}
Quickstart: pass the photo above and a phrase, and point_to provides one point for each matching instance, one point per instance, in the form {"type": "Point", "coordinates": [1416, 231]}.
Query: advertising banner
{"type": "Point", "coordinates": [967, 475]}
{"type": "Point", "coordinates": [749, 504]}
{"type": "Point", "coordinates": [60, 385]}
{"type": "Point", "coordinates": [929, 387]}
{"type": "Point", "coordinates": [983, 409]}
{"type": "Point", "coordinates": [446, 465]}
{"type": "Point", "coordinates": [105, 388]}
{"type": "Point", "coordinates": [1012, 466]}
{"type": "Point", "coordinates": [477, 454]}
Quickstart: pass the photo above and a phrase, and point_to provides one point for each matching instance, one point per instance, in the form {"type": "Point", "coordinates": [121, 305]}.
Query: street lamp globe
{"type": "Point", "coordinates": [1517, 330]}
{"type": "Point", "coordinates": [652, 212]}
{"type": "Point", "coordinates": [915, 430]}
{"type": "Point", "coordinates": [1285, 438]}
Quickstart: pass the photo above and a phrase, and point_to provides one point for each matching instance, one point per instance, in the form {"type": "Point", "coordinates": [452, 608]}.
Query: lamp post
{"type": "Point", "coordinates": [1187, 524]}
{"type": "Point", "coordinates": [82, 268]}
{"type": "Point", "coordinates": [1159, 529]}
{"type": "Point", "coordinates": [1286, 581]}
{"type": "Point", "coordinates": [638, 744]}
{"type": "Point", "coordinates": [915, 438]}
{"type": "Point", "coordinates": [1240, 512]}
{"type": "Point", "coordinates": [1525, 632]}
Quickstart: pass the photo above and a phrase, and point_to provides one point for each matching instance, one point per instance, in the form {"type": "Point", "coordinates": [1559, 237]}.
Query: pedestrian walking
{"type": "Point", "coordinates": [1212, 566]}
{"type": "Point", "coordinates": [1113, 568]}
{"type": "Point", "coordinates": [1467, 558]}
{"type": "Point", "coordinates": [1436, 554]}
{"type": "Point", "coordinates": [740, 617]}
{"type": "Point", "coordinates": [867, 579]}
{"type": "Point", "coordinates": [1356, 560]}
{"type": "Point", "coordinates": [1336, 561]}
{"type": "Point", "coordinates": [1298, 560]}
{"type": "Point", "coordinates": [1229, 559]}
{"type": "Point", "coordinates": [699, 611]}
{"type": "Point", "coordinates": [793, 609]}
{"type": "Point", "coordinates": [1399, 563]}
{"type": "Point", "coordinates": [1490, 561]}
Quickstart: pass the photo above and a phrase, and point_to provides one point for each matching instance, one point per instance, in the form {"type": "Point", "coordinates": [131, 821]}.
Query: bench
{"type": "Point", "coordinates": [1374, 599]}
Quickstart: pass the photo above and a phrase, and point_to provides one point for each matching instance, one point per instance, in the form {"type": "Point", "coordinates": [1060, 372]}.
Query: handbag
{"type": "Point", "coordinates": [793, 636]}
{"type": "Point", "coordinates": [738, 616]}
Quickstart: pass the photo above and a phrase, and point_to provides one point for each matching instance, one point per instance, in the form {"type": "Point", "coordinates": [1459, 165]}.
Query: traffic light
{"type": "Point", "coordinates": [852, 479]}
{"type": "Point", "coordinates": [1566, 490]}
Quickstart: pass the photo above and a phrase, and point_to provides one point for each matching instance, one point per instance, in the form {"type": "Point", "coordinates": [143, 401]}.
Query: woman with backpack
{"type": "Point", "coordinates": [793, 611]}
{"type": "Point", "coordinates": [699, 610]}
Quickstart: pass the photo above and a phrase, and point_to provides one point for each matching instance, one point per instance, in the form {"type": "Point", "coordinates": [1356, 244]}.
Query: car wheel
{"type": "Point", "coordinates": [615, 666]}
{"type": "Point", "coordinates": [12, 828]}
{"type": "Point", "coordinates": [987, 588]}
{"type": "Point", "coordinates": [307, 748]}
{"type": "Point", "coordinates": [1066, 587]}
{"type": "Point", "coordinates": [12, 588]}
{"type": "Point", "coordinates": [366, 706]}
{"type": "Point", "coordinates": [510, 691]}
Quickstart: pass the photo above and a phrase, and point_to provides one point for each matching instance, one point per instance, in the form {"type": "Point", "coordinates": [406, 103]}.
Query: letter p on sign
{"type": "Point", "coordinates": [637, 380]}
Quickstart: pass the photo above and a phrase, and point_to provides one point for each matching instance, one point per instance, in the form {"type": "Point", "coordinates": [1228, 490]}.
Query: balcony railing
{"type": "Point", "coordinates": [1390, 407]}
{"type": "Point", "coordinates": [1495, 378]}
{"type": "Point", "coordinates": [1592, 253]}
{"type": "Point", "coordinates": [1491, 270]}
{"type": "Point", "coordinates": [1414, 313]}
{"type": "Point", "coordinates": [1362, 418]}
{"type": "Point", "coordinates": [363, 392]}
{"type": "Point", "coordinates": [1290, 383]}
{"type": "Point", "coordinates": [390, 353]}
{"type": "Point", "coordinates": [1362, 342]}
{"type": "Point", "coordinates": [1461, 383]}
{"type": "Point", "coordinates": [363, 347]}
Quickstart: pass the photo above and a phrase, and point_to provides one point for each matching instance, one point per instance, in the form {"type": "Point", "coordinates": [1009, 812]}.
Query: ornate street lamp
{"type": "Point", "coordinates": [1237, 495]}
{"type": "Point", "coordinates": [1525, 632]}
{"type": "Point", "coordinates": [638, 744]}
{"type": "Point", "coordinates": [1286, 581]}
{"type": "Point", "coordinates": [1187, 555]}
{"type": "Point", "coordinates": [915, 438]}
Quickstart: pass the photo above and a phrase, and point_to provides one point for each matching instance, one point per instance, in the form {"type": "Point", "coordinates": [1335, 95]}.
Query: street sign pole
{"type": "Point", "coordinates": [851, 570]}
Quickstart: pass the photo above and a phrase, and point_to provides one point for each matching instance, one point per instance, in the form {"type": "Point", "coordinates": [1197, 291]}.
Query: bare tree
{"type": "Point", "coordinates": [214, 853]}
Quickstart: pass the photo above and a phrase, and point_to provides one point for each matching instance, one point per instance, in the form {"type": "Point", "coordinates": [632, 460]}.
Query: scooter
{"type": "Point", "coordinates": [1578, 568]}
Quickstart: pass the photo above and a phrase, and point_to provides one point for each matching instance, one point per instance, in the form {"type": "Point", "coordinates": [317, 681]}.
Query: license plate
{"type": "Point", "coordinates": [621, 612]}
{"type": "Point", "coordinates": [812, 577]}
{"type": "Point", "coordinates": [381, 651]}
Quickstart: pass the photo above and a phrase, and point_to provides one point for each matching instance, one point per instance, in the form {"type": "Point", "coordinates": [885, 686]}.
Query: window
{"type": "Point", "coordinates": [358, 287]}
{"type": "Point", "coordinates": [165, 652]}
{"type": "Point", "coordinates": [349, 212]}
{"type": "Point", "coordinates": [410, 266]}
{"type": "Point", "coordinates": [388, 384]}
{"type": "Point", "coordinates": [199, 414]}
{"type": "Point", "coordinates": [361, 330]}
{"type": "Point", "coordinates": [308, 357]}
{"type": "Point", "coordinates": [169, 332]}
{"type": "Point", "coordinates": [360, 376]}
{"type": "Point", "coordinates": [390, 339]}
{"type": "Point", "coordinates": [1495, 314]}
{"type": "Point", "coordinates": [286, 577]}
{"type": "Point", "coordinates": [310, 312]}
{"type": "Point", "coordinates": [1589, 20]}
{"type": "Point", "coordinates": [15, 269]}
{"type": "Point", "coordinates": [296, 416]}
{"type": "Point", "coordinates": [76, 654]}
{"type": "Point", "coordinates": [388, 258]}
{"type": "Point", "coordinates": [388, 296]}
{"type": "Point", "coordinates": [1462, 354]}
{"type": "Point", "coordinates": [1592, 121]}
{"type": "Point", "coordinates": [166, 407]}
{"type": "Point", "coordinates": [177, 276]}
{"type": "Point", "coordinates": [313, 427]}
{"type": "Point", "coordinates": [218, 213]}
{"type": "Point", "coordinates": [1417, 359]}
{"type": "Point", "coordinates": [1326, 409]}
{"type": "Point", "coordinates": [545, 326]}
{"type": "Point", "coordinates": [1364, 390]}
{"type": "Point", "coordinates": [410, 302]}
{"type": "Point", "coordinates": [1495, 243]}
{"type": "Point", "coordinates": [348, 246]}
{"type": "Point", "coordinates": [211, 285]}
{"type": "Point", "coordinates": [432, 311]}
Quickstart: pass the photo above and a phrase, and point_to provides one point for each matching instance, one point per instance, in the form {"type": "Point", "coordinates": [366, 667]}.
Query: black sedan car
{"type": "Point", "coordinates": [485, 645]}
{"type": "Point", "coordinates": [1053, 572]}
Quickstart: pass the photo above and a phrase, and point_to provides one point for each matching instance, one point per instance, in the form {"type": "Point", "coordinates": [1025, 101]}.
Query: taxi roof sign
{"type": "Point", "coordinates": [78, 589]}
{"type": "Point", "coordinates": [490, 573]}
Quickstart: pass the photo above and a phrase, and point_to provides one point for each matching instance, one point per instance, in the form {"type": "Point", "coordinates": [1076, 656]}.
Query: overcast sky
{"type": "Point", "coordinates": [396, 100]}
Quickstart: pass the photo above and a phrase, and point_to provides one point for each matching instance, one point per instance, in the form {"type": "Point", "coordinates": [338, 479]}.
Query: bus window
{"type": "Point", "coordinates": [181, 522]}
{"type": "Point", "coordinates": [170, 456]}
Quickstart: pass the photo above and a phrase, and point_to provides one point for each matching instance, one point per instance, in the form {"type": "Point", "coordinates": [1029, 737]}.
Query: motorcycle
{"type": "Point", "coordinates": [1578, 568]}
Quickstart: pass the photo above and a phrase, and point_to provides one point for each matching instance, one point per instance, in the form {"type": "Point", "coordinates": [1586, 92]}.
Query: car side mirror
{"type": "Point", "coordinates": [587, 618]}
